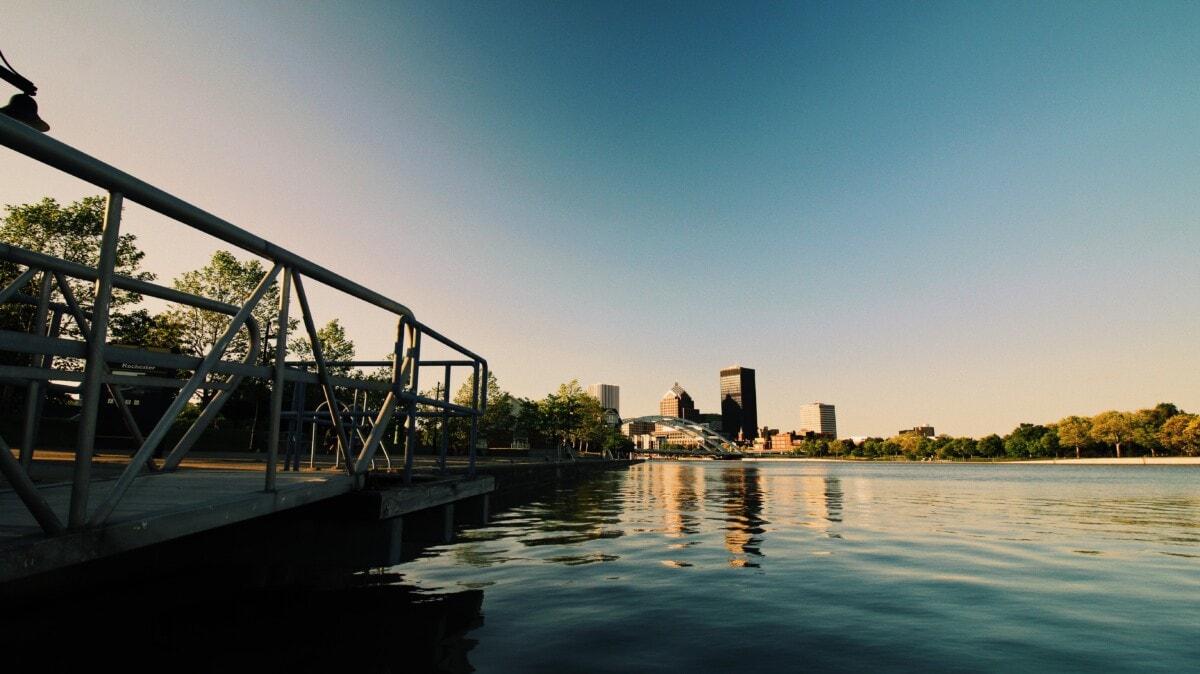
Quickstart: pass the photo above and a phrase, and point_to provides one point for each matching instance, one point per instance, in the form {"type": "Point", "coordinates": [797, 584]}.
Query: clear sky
{"type": "Point", "coordinates": [963, 214]}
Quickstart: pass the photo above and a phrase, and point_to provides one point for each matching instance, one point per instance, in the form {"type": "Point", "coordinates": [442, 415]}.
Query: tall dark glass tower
{"type": "Point", "coordinates": [739, 403]}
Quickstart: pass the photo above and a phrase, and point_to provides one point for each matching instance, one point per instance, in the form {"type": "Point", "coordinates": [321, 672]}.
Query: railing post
{"type": "Point", "coordinates": [94, 369]}
{"type": "Point", "coordinates": [323, 373]}
{"type": "Point", "coordinates": [445, 441]}
{"type": "Point", "coordinates": [36, 389]}
{"type": "Point", "coordinates": [477, 412]}
{"type": "Point", "coordinates": [411, 359]}
{"type": "Point", "coordinates": [285, 295]}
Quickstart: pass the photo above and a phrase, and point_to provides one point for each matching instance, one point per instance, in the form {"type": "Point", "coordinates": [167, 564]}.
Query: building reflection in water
{"type": "Point", "coordinates": [678, 489]}
{"type": "Point", "coordinates": [741, 498]}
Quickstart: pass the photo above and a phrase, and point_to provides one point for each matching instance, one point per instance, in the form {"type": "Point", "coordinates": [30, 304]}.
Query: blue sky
{"type": "Point", "coordinates": [966, 214]}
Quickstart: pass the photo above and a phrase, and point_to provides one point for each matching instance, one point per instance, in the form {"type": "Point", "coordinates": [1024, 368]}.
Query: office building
{"type": "Point", "coordinates": [819, 420]}
{"type": "Point", "coordinates": [677, 403]}
{"type": "Point", "coordinates": [739, 404]}
{"type": "Point", "coordinates": [609, 396]}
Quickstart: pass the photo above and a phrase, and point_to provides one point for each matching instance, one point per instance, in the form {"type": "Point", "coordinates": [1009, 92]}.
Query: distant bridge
{"type": "Point", "coordinates": [708, 442]}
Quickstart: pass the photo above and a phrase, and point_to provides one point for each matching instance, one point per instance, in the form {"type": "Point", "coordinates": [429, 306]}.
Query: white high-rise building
{"type": "Point", "coordinates": [609, 396]}
{"type": "Point", "coordinates": [819, 419]}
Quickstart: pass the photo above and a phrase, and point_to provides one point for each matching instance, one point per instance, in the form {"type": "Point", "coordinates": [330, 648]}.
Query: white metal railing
{"type": "Point", "coordinates": [46, 348]}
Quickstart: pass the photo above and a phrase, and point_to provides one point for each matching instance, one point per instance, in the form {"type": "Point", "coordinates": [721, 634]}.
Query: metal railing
{"type": "Point", "coordinates": [400, 406]}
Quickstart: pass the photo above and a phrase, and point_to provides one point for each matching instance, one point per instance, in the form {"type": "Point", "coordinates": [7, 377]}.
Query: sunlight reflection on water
{"type": "Point", "coordinates": [714, 566]}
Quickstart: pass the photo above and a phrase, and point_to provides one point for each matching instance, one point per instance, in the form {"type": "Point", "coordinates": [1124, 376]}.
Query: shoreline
{"type": "Point", "coordinates": [1109, 461]}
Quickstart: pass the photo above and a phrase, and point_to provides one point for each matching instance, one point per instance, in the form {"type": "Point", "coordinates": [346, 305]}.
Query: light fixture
{"type": "Point", "coordinates": [21, 107]}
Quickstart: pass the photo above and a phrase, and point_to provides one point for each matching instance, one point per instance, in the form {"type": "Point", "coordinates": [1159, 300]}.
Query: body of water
{"type": "Point", "coordinates": [710, 566]}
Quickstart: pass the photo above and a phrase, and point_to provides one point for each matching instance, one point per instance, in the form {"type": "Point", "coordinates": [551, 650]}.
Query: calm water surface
{"type": "Point", "coordinates": [702, 566]}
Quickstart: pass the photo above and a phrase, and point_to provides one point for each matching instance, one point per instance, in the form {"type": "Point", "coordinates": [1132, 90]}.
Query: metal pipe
{"type": "Point", "coordinates": [177, 405]}
{"type": "Point", "coordinates": [69, 160]}
{"type": "Point", "coordinates": [28, 492]}
{"type": "Point", "coordinates": [18, 283]}
{"type": "Point", "coordinates": [86, 333]}
{"type": "Point", "coordinates": [413, 356]}
{"type": "Point", "coordinates": [285, 298]}
{"type": "Point", "coordinates": [400, 369]}
{"type": "Point", "coordinates": [323, 372]}
{"type": "Point", "coordinates": [94, 370]}
{"type": "Point", "coordinates": [209, 414]}
{"type": "Point", "coordinates": [34, 394]}
{"type": "Point", "coordinates": [74, 269]}
{"type": "Point", "coordinates": [479, 407]}
{"type": "Point", "coordinates": [445, 440]}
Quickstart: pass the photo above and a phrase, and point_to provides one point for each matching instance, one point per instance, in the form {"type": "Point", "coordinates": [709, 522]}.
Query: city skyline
{"type": "Point", "coordinates": [973, 215]}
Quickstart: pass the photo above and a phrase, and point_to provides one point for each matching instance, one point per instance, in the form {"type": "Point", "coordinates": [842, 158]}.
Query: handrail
{"type": "Point", "coordinates": [69, 160]}
{"type": "Point", "coordinates": [289, 269]}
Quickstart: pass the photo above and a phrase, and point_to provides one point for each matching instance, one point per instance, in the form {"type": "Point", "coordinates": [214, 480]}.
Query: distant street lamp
{"type": "Point", "coordinates": [21, 107]}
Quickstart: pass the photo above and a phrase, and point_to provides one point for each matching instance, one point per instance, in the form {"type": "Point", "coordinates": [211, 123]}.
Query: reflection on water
{"type": "Point", "coordinates": [696, 566]}
{"type": "Point", "coordinates": [742, 499]}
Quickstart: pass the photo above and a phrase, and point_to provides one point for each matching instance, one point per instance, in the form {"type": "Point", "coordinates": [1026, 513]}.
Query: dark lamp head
{"type": "Point", "coordinates": [23, 108]}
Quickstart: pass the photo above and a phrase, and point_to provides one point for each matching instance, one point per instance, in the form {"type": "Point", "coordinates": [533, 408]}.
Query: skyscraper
{"type": "Point", "coordinates": [818, 419]}
{"type": "Point", "coordinates": [739, 403]}
{"type": "Point", "coordinates": [609, 396]}
{"type": "Point", "coordinates": [677, 403]}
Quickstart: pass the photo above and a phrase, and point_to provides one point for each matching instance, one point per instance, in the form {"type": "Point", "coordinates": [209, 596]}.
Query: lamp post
{"type": "Point", "coordinates": [21, 107]}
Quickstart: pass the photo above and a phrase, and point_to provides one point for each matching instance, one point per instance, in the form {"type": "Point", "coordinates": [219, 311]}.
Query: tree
{"type": "Point", "coordinates": [1030, 441]}
{"type": "Point", "coordinates": [225, 279]}
{"type": "Point", "coordinates": [335, 347]}
{"type": "Point", "coordinates": [1113, 428]}
{"type": "Point", "coordinates": [71, 233]}
{"type": "Point", "coordinates": [559, 411]}
{"type": "Point", "coordinates": [1074, 432]}
{"type": "Point", "coordinates": [495, 427]}
{"type": "Point", "coordinates": [990, 446]}
{"type": "Point", "coordinates": [914, 445]}
{"type": "Point", "coordinates": [139, 328]}
{"type": "Point", "coordinates": [616, 444]}
{"type": "Point", "coordinates": [1146, 424]}
{"type": "Point", "coordinates": [529, 424]}
{"type": "Point", "coordinates": [1181, 433]}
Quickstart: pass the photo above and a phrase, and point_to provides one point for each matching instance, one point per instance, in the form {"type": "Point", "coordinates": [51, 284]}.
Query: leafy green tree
{"type": "Point", "coordinates": [914, 446]}
{"type": "Point", "coordinates": [495, 427]}
{"type": "Point", "coordinates": [1181, 434]}
{"type": "Point", "coordinates": [873, 448]}
{"type": "Point", "coordinates": [615, 444]}
{"type": "Point", "coordinates": [592, 428]}
{"type": "Point", "coordinates": [1113, 428]}
{"type": "Point", "coordinates": [71, 233]}
{"type": "Point", "coordinates": [561, 412]}
{"type": "Point", "coordinates": [1074, 432]}
{"type": "Point", "coordinates": [529, 423]}
{"type": "Point", "coordinates": [225, 279]}
{"type": "Point", "coordinates": [1029, 441]}
{"type": "Point", "coordinates": [990, 446]}
{"type": "Point", "coordinates": [955, 448]}
{"type": "Point", "coordinates": [1148, 422]}
{"type": "Point", "coordinates": [139, 328]}
{"type": "Point", "coordinates": [335, 347]}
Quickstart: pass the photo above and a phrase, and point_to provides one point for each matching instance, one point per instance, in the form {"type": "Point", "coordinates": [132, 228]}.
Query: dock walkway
{"type": "Point", "coordinates": [214, 490]}
{"type": "Point", "coordinates": [206, 492]}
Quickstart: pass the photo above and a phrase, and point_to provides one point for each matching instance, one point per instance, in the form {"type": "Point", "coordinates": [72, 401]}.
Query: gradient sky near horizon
{"type": "Point", "coordinates": [963, 214]}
